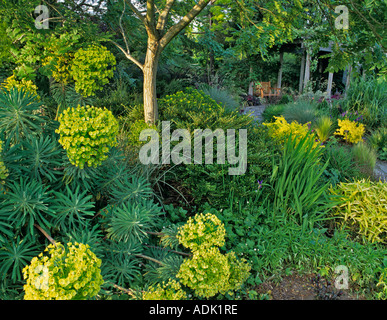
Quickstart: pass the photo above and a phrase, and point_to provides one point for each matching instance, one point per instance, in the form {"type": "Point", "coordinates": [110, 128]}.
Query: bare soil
{"type": "Point", "coordinates": [297, 287]}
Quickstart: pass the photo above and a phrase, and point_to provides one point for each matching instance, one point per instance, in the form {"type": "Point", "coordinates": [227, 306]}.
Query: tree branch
{"type": "Point", "coordinates": [135, 10]}
{"type": "Point", "coordinates": [150, 17]}
{"type": "Point", "coordinates": [122, 30]}
{"type": "Point", "coordinates": [128, 55]}
{"type": "Point", "coordinates": [164, 15]}
{"type": "Point", "coordinates": [185, 21]}
{"type": "Point", "coordinates": [45, 234]}
{"type": "Point", "coordinates": [128, 291]}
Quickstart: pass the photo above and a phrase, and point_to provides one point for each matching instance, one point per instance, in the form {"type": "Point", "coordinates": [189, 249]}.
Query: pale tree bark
{"type": "Point", "coordinates": [158, 39]}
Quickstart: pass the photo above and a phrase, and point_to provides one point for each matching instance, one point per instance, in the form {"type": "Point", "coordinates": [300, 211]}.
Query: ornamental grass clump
{"type": "Point", "coordinates": [363, 208]}
{"type": "Point", "coordinates": [70, 272]}
{"type": "Point", "coordinates": [87, 133]}
{"type": "Point", "coordinates": [208, 271]}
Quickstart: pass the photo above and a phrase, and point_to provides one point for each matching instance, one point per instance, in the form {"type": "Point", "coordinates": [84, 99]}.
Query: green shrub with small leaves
{"type": "Point", "coordinates": [208, 271]}
{"type": "Point", "coordinates": [171, 290]}
{"type": "Point", "coordinates": [202, 231]}
{"type": "Point", "coordinates": [27, 85]}
{"type": "Point", "coordinates": [90, 69]}
{"type": "Point", "coordinates": [192, 109]}
{"type": "Point", "coordinates": [87, 133]}
{"type": "Point", "coordinates": [70, 272]}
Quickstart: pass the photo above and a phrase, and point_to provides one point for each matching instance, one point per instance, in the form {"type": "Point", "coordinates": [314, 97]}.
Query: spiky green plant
{"type": "Point", "coordinates": [14, 256]}
{"type": "Point", "coordinates": [298, 191]}
{"type": "Point", "coordinates": [120, 265]}
{"type": "Point", "coordinates": [19, 114]}
{"type": "Point", "coordinates": [42, 158]}
{"type": "Point", "coordinates": [132, 220]}
{"type": "Point", "coordinates": [72, 207]}
{"type": "Point", "coordinates": [27, 202]}
{"type": "Point", "coordinates": [130, 188]}
{"type": "Point", "coordinates": [324, 128]}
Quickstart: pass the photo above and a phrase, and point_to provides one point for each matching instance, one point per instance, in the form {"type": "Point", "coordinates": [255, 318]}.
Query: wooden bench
{"type": "Point", "coordinates": [264, 89]}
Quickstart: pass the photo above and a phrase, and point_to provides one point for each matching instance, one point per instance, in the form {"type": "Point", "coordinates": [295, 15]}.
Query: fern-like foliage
{"type": "Point", "coordinates": [19, 114]}
{"type": "Point", "coordinates": [72, 208]}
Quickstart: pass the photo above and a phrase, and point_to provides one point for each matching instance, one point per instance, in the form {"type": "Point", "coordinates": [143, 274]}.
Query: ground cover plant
{"type": "Point", "coordinates": [82, 217]}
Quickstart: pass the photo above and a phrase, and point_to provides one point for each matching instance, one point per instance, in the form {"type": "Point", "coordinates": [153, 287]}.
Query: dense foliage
{"type": "Point", "coordinates": [82, 218]}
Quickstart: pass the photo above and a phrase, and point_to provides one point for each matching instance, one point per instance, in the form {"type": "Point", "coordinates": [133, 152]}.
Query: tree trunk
{"type": "Point", "coordinates": [150, 73]}
{"type": "Point", "coordinates": [307, 69]}
{"type": "Point", "coordinates": [302, 71]}
{"type": "Point", "coordinates": [329, 87]}
{"type": "Point", "coordinates": [279, 78]}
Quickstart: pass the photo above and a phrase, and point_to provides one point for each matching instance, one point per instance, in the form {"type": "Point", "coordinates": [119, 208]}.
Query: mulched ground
{"type": "Point", "coordinates": [296, 287]}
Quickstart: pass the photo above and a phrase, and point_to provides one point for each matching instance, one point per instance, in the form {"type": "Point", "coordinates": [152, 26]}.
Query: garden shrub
{"type": "Point", "coordinates": [280, 129]}
{"type": "Point", "coordinates": [208, 271]}
{"type": "Point", "coordinates": [363, 208]}
{"type": "Point", "coordinates": [70, 272]}
{"type": "Point", "coordinates": [171, 290]}
{"type": "Point", "coordinates": [27, 85]}
{"type": "Point", "coordinates": [87, 133]}
{"type": "Point", "coordinates": [61, 70]}
{"type": "Point", "coordinates": [20, 114]}
{"type": "Point", "coordinates": [192, 109]}
{"type": "Point", "coordinates": [134, 130]}
{"type": "Point", "coordinates": [202, 231]}
{"type": "Point", "coordinates": [271, 111]}
{"type": "Point", "coordinates": [218, 188]}
{"type": "Point", "coordinates": [90, 69]}
{"type": "Point", "coordinates": [351, 131]}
